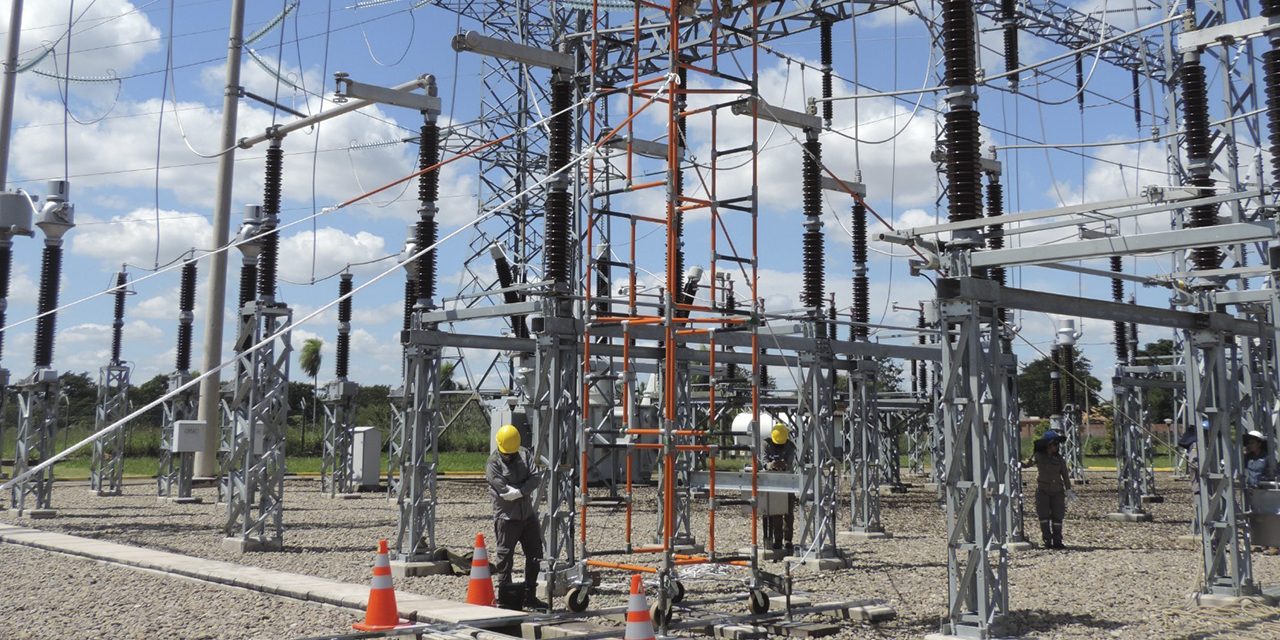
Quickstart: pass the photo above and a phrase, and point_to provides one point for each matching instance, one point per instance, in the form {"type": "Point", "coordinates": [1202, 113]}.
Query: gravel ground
{"type": "Point", "coordinates": [1116, 580]}
{"type": "Point", "coordinates": [51, 595]}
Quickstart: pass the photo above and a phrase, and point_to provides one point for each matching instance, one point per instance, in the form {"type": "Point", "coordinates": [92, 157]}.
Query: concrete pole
{"type": "Point", "coordinates": [7, 90]}
{"type": "Point", "coordinates": [206, 458]}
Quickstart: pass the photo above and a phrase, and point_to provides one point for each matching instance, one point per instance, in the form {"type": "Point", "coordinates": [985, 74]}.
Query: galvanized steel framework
{"type": "Point", "coordinates": [976, 365]}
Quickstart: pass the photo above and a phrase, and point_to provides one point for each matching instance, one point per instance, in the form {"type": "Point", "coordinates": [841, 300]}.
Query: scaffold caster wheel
{"type": "Point", "coordinates": [659, 614]}
{"type": "Point", "coordinates": [758, 601]}
{"type": "Point", "coordinates": [678, 596]}
{"type": "Point", "coordinates": [579, 598]}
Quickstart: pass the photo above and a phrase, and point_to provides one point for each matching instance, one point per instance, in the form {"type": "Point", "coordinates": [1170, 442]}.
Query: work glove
{"type": "Point", "coordinates": [512, 494]}
{"type": "Point", "coordinates": [1071, 496]}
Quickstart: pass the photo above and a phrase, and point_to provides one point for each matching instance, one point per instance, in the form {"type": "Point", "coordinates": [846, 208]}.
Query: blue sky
{"type": "Point", "coordinates": [109, 151]}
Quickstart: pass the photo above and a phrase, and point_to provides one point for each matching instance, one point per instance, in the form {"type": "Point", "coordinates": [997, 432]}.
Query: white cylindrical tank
{"type": "Point", "coordinates": [741, 427]}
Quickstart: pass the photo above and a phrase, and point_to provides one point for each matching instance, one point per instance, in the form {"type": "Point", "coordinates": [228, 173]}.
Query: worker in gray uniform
{"type": "Point", "coordinates": [780, 455]}
{"type": "Point", "coordinates": [512, 481]}
{"type": "Point", "coordinates": [1052, 486]}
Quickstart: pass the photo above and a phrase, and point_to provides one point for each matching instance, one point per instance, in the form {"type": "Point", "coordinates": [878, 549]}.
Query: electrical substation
{"type": "Point", "coordinates": [611, 298]}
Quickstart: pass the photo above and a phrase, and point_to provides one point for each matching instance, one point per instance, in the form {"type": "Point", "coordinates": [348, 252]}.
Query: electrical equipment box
{"type": "Point", "coordinates": [366, 457]}
{"type": "Point", "coordinates": [188, 436]}
{"type": "Point", "coordinates": [510, 413]}
{"type": "Point", "coordinates": [15, 213]}
{"type": "Point", "coordinates": [338, 389]}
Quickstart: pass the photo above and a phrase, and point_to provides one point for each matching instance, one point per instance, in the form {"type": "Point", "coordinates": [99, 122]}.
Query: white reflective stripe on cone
{"type": "Point", "coordinates": [479, 572]}
{"type": "Point", "coordinates": [639, 630]}
{"type": "Point", "coordinates": [381, 582]}
{"type": "Point", "coordinates": [637, 603]}
{"type": "Point", "coordinates": [480, 554]}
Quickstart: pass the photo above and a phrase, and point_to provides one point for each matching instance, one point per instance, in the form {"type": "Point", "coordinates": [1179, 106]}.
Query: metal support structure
{"type": "Point", "coordinates": [337, 470]}
{"type": "Point", "coordinates": [420, 459]}
{"type": "Point", "coordinates": [816, 448]}
{"type": "Point", "coordinates": [177, 469]}
{"type": "Point", "coordinates": [259, 416]}
{"type": "Point", "coordinates": [106, 470]}
{"type": "Point", "coordinates": [1129, 418]}
{"type": "Point", "coordinates": [554, 413]}
{"type": "Point", "coordinates": [1015, 533]}
{"type": "Point", "coordinates": [39, 394]}
{"type": "Point", "coordinates": [259, 407]}
{"type": "Point", "coordinates": [975, 441]}
{"type": "Point", "coordinates": [418, 454]}
{"type": "Point", "coordinates": [1224, 532]}
{"type": "Point", "coordinates": [38, 397]}
{"type": "Point", "coordinates": [863, 451]}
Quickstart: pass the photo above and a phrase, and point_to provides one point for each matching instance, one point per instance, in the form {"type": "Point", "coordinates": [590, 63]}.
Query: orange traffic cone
{"type": "Point", "coordinates": [639, 624]}
{"type": "Point", "coordinates": [480, 589]}
{"type": "Point", "coordinates": [381, 613]}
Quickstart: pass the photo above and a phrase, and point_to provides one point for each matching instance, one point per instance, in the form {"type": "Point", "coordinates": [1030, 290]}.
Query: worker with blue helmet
{"type": "Point", "coordinates": [1052, 485]}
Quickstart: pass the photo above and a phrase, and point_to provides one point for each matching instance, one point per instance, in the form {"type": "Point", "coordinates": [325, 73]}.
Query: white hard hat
{"type": "Point", "coordinates": [1256, 434]}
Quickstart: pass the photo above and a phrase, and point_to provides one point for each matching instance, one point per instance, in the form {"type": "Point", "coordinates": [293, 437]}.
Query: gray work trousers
{"type": "Point", "coordinates": [507, 534]}
{"type": "Point", "coordinates": [1051, 507]}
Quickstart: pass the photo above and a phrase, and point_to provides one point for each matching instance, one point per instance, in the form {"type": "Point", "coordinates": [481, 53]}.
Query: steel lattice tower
{"type": "Point", "coordinates": [106, 473]}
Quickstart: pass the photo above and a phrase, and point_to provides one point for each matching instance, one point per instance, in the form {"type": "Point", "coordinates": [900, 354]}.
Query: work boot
{"type": "Point", "coordinates": [1057, 536]}
{"type": "Point", "coordinates": [531, 600]}
{"type": "Point", "coordinates": [1046, 534]}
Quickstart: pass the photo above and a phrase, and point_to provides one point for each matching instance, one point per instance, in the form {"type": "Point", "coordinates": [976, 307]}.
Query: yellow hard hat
{"type": "Point", "coordinates": [779, 435]}
{"type": "Point", "coordinates": [508, 439]}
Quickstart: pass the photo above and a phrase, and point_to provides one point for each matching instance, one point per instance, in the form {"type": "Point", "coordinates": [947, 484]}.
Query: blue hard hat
{"type": "Point", "coordinates": [1050, 436]}
{"type": "Point", "coordinates": [1188, 438]}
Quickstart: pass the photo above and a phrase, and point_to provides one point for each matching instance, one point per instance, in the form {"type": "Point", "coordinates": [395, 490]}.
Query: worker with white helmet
{"type": "Point", "coordinates": [1255, 457]}
{"type": "Point", "coordinates": [512, 480]}
{"type": "Point", "coordinates": [780, 455]}
{"type": "Point", "coordinates": [1255, 471]}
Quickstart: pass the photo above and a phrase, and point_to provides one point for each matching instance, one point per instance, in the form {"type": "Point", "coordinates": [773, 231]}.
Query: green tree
{"type": "Point", "coordinates": [888, 375]}
{"type": "Point", "coordinates": [145, 394]}
{"type": "Point", "coordinates": [309, 359]}
{"type": "Point", "coordinates": [1035, 392]}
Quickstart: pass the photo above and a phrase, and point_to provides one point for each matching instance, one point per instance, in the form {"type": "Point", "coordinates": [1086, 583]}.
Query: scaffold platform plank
{"type": "Point", "coordinates": [412, 606]}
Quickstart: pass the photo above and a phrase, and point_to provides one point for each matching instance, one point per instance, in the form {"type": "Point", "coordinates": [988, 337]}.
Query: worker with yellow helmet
{"type": "Point", "coordinates": [780, 455]}
{"type": "Point", "coordinates": [512, 480]}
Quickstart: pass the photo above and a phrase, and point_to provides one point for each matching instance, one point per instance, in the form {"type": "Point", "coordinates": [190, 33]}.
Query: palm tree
{"type": "Point", "coordinates": [309, 360]}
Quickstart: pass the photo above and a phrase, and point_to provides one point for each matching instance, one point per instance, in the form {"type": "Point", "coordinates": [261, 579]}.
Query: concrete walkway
{"type": "Point", "coordinates": [413, 607]}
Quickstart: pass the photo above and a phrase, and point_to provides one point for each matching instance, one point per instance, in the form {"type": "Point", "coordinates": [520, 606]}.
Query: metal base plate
{"type": "Point", "coordinates": [249, 545]}
{"type": "Point", "coordinates": [34, 514]}
{"type": "Point", "coordinates": [1129, 517]}
{"type": "Point", "coordinates": [820, 564]}
{"type": "Point", "coordinates": [410, 569]}
{"type": "Point", "coordinates": [862, 536]}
